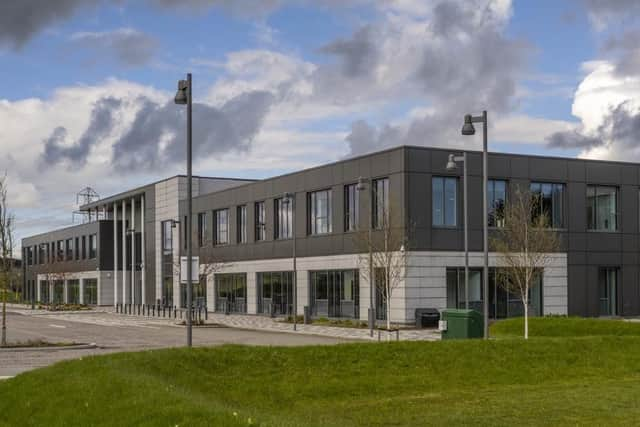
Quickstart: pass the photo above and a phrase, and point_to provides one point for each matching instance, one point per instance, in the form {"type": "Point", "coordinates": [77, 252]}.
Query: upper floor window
{"type": "Point", "coordinates": [320, 212]}
{"type": "Point", "coordinates": [93, 246]}
{"type": "Point", "coordinates": [548, 201]}
{"type": "Point", "coordinates": [77, 248]}
{"type": "Point", "coordinates": [167, 237]}
{"type": "Point", "coordinates": [444, 201]}
{"type": "Point", "coordinates": [52, 252]}
{"type": "Point", "coordinates": [84, 247]}
{"type": "Point", "coordinates": [69, 249]}
{"type": "Point", "coordinates": [283, 210]}
{"type": "Point", "coordinates": [351, 207]}
{"type": "Point", "coordinates": [60, 250]}
{"type": "Point", "coordinates": [202, 229]}
{"type": "Point", "coordinates": [380, 202]}
{"type": "Point", "coordinates": [602, 208]}
{"type": "Point", "coordinates": [221, 222]}
{"type": "Point", "coordinates": [43, 255]}
{"type": "Point", "coordinates": [496, 200]}
{"type": "Point", "coordinates": [260, 222]}
{"type": "Point", "coordinates": [241, 224]}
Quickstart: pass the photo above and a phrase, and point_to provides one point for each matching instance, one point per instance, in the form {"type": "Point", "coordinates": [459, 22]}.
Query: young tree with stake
{"type": "Point", "coordinates": [525, 246]}
{"type": "Point", "coordinates": [6, 252]}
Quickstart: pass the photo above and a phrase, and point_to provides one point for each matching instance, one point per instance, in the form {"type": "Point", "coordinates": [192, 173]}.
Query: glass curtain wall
{"type": "Point", "coordinates": [198, 293]}
{"type": "Point", "coordinates": [335, 293]}
{"type": "Point", "coordinates": [275, 292]}
{"type": "Point", "coordinates": [73, 291]}
{"type": "Point", "coordinates": [45, 297]}
{"type": "Point", "coordinates": [231, 292]}
{"type": "Point", "coordinates": [91, 291]}
{"type": "Point", "coordinates": [58, 291]}
{"type": "Point", "coordinates": [502, 304]}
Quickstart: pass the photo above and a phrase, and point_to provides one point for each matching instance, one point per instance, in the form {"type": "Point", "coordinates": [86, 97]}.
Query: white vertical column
{"type": "Point", "coordinates": [65, 291]}
{"type": "Point", "coordinates": [124, 252]}
{"type": "Point", "coordinates": [143, 250]}
{"type": "Point", "coordinates": [81, 284]}
{"type": "Point", "coordinates": [115, 253]}
{"type": "Point", "coordinates": [133, 251]}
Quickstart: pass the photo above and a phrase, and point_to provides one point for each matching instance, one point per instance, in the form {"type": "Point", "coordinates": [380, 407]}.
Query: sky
{"type": "Point", "coordinates": [86, 94]}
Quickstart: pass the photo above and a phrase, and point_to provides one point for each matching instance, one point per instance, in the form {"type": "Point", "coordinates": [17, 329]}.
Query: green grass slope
{"type": "Point", "coordinates": [565, 327]}
{"type": "Point", "coordinates": [546, 381]}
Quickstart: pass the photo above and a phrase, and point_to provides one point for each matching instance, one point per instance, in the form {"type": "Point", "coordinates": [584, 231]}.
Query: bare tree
{"type": "Point", "coordinates": [6, 251]}
{"type": "Point", "coordinates": [525, 246]}
{"type": "Point", "coordinates": [383, 251]}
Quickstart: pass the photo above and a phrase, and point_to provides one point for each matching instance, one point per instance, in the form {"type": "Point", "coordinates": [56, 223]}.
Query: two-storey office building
{"type": "Point", "coordinates": [244, 233]}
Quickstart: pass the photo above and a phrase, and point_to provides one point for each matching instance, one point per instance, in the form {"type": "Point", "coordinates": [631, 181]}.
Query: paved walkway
{"type": "Point", "coordinates": [249, 322]}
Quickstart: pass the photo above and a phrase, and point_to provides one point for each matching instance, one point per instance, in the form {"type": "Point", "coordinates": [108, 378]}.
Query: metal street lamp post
{"type": "Point", "coordinates": [469, 129]}
{"type": "Point", "coordinates": [291, 198]}
{"type": "Point", "coordinates": [451, 166]}
{"type": "Point", "coordinates": [183, 96]}
{"type": "Point", "coordinates": [361, 187]}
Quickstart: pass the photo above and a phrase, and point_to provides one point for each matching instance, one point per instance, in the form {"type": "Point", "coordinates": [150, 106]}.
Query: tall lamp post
{"type": "Point", "coordinates": [362, 186]}
{"type": "Point", "coordinates": [469, 129]}
{"type": "Point", "coordinates": [452, 166]}
{"type": "Point", "coordinates": [183, 96]}
{"type": "Point", "coordinates": [291, 198]}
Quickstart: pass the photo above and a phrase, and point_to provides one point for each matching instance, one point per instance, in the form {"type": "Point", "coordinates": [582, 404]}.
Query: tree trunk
{"type": "Point", "coordinates": [3, 343]}
{"type": "Point", "coordinates": [526, 320]}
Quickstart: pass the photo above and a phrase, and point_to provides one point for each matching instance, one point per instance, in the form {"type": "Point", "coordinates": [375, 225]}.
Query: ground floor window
{"type": "Point", "coordinates": [231, 292]}
{"type": "Point", "coordinates": [167, 291]}
{"type": "Point", "coordinates": [335, 293]}
{"type": "Point", "coordinates": [44, 291]}
{"type": "Point", "coordinates": [607, 290]}
{"type": "Point", "coordinates": [91, 291]}
{"type": "Point", "coordinates": [58, 291]}
{"type": "Point", "coordinates": [73, 291]}
{"type": "Point", "coordinates": [502, 303]}
{"type": "Point", "coordinates": [275, 292]}
{"type": "Point", "coordinates": [198, 293]}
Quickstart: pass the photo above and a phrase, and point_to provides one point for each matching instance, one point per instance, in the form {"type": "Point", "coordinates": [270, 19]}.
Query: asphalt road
{"type": "Point", "coordinates": [112, 333]}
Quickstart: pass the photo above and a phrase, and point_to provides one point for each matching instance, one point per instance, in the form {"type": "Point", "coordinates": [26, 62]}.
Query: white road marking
{"type": "Point", "coordinates": [58, 326]}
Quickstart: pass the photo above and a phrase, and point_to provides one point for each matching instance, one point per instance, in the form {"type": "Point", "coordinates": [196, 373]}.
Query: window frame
{"type": "Point", "coordinates": [351, 218]}
{"type": "Point", "coordinates": [376, 184]}
{"type": "Point", "coordinates": [312, 218]}
{"type": "Point", "coordinates": [260, 221]}
{"type": "Point", "coordinates": [202, 229]}
{"type": "Point", "coordinates": [241, 224]}
{"type": "Point", "coordinates": [282, 214]}
{"type": "Point", "coordinates": [491, 183]}
{"type": "Point", "coordinates": [564, 202]}
{"type": "Point", "coordinates": [445, 179]}
{"type": "Point", "coordinates": [218, 231]}
{"type": "Point", "coordinates": [616, 215]}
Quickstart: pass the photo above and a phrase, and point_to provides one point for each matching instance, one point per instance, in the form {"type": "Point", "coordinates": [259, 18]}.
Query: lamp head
{"type": "Point", "coordinates": [181, 95]}
{"type": "Point", "coordinates": [467, 128]}
{"type": "Point", "coordinates": [287, 197]}
{"type": "Point", "coordinates": [451, 164]}
{"type": "Point", "coordinates": [361, 186]}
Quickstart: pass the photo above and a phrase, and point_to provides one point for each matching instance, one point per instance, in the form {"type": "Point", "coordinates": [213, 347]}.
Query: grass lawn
{"type": "Point", "coordinates": [565, 327]}
{"type": "Point", "coordinates": [589, 380]}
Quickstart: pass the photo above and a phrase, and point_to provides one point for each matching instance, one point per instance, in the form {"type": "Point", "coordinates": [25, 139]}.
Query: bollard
{"type": "Point", "coordinates": [139, 310]}
{"type": "Point", "coordinates": [175, 314]}
{"type": "Point", "coordinates": [163, 312]}
{"type": "Point", "coordinates": [206, 313]}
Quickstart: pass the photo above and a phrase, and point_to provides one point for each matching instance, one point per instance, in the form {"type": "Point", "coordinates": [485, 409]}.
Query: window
{"type": "Point", "coordinates": [184, 234]}
{"type": "Point", "coordinates": [84, 247]}
{"type": "Point", "coordinates": [260, 221]}
{"type": "Point", "coordinates": [351, 207]}
{"type": "Point", "coordinates": [221, 218]}
{"type": "Point", "coordinates": [42, 253]}
{"type": "Point", "coordinates": [231, 292]}
{"type": "Point", "coordinates": [548, 201]}
{"type": "Point", "coordinates": [380, 202]}
{"type": "Point", "coordinates": [602, 208]}
{"type": "Point", "coordinates": [90, 291]}
{"type": "Point", "coordinates": [73, 291]}
{"type": "Point", "coordinates": [52, 252]}
{"type": "Point", "coordinates": [456, 293]}
{"type": "Point", "coordinates": [69, 249]}
{"type": "Point", "coordinates": [202, 229]}
{"type": "Point", "coordinates": [77, 248]}
{"type": "Point", "coordinates": [60, 251]}
{"type": "Point", "coordinates": [607, 284]}
{"type": "Point", "coordinates": [496, 200]}
{"type": "Point", "coordinates": [275, 292]}
{"type": "Point", "coordinates": [443, 197]}
{"type": "Point", "coordinates": [93, 246]}
{"type": "Point", "coordinates": [167, 237]}
{"type": "Point", "coordinates": [241, 224]}
{"type": "Point", "coordinates": [283, 211]}
{"type": "Point", "coordinates": [320, 212]}
{"type": "Point", "coordinates": [335, 293]}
